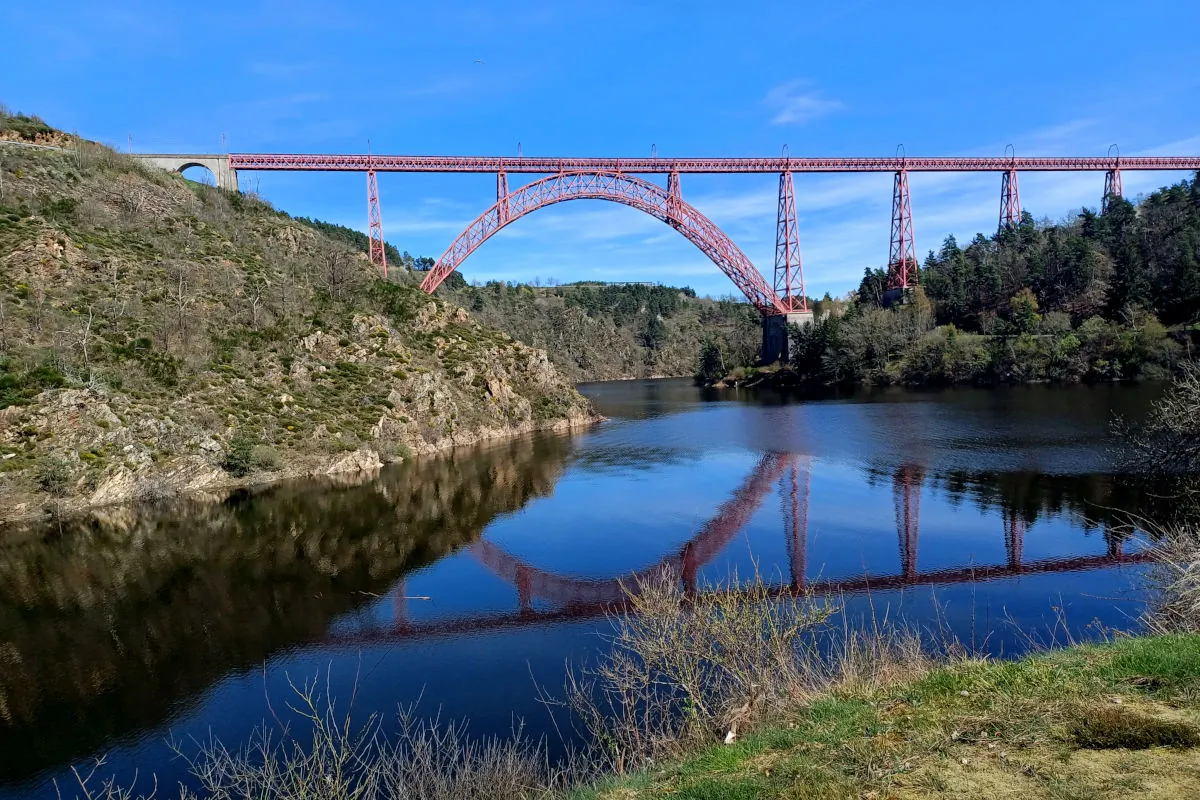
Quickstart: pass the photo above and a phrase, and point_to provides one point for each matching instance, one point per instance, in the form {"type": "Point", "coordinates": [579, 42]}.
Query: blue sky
{"type": "Point", "coordinates": [611, 78]}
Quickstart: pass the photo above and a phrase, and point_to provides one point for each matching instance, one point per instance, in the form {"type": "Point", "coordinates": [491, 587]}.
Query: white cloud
{"type": "Point", "coordinates": [796, 103]}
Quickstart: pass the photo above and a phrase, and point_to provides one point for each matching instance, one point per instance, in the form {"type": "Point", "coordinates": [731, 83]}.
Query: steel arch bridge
{"type": "Point", "coordinates": [609, 179]}
{"type": "Point", "coordinates": [665, 205]}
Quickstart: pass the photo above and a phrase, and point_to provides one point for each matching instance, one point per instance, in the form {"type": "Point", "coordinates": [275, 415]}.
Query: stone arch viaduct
{"type": "Point", "coordinates": [218, 165]}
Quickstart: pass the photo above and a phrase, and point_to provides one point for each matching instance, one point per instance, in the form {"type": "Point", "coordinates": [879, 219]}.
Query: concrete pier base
{"type": "Point", "coordinates": [775, 343]}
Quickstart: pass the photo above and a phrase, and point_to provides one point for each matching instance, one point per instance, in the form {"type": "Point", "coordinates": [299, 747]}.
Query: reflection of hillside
{"type": "Point", "coordinates": [600, 458]}
{"type": "Point", "coordinates": [107, 624]}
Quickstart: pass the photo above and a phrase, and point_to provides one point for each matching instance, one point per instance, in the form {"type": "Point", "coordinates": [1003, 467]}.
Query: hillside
{"type": "Point", "coordinates": [595, 332]}
{"type": "Point", "coordinates": [158, 336]}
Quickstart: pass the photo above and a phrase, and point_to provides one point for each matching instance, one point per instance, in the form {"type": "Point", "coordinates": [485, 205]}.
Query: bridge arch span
{"type": "Point", "coordinates": [662, 204]}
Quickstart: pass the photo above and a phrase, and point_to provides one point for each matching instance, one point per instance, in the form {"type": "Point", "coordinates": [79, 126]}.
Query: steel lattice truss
{"type": "Point", "coordinates": [902, 259]}
{"type": "Point", "coordinates": [620, 188]}
{"type": "Point", "coordinates": [378, 253]}
{"type": "Point", "coordinates": [789, 274]}
{"type": "Point", "coordinates": [361, 163]}
{"type": "Point", "coordinates": [1112, 186]}
{"type": "Point", "coordinates": [1010, 201]}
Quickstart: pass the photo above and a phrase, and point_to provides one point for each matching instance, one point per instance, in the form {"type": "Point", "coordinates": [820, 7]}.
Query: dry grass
{"type": "Point", "coordinates": [1176, 581]}
{"type": "Point", "coordinates": [745, 691]}
{"type": "Point", "coordinates": [685, 671]}
{"type": "Point", "coordinates": [1168, 441]}
{"type": "Point", "coordinates": [333, 758]}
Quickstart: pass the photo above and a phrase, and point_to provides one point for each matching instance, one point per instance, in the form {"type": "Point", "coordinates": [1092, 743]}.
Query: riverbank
{"type": "Point", "coordinates": [204, 477]}
{"type": "Point", "coordinates": [1094, 721]}
{"type": "Point", "coordinates": [161, 337]}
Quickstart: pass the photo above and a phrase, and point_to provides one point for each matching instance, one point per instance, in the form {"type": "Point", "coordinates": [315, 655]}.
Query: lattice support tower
{"type": "Point", "coordinates": [400, 604]}
{"type": "Point", "coordinates": [524, 590]}
{"type": "Point", "coordinates": [795, 517]}
{"type": "Point", "coordinates": [1014, 539]}
{"type": "Point", "coordinates": [1112, 187]}
{"type": "Point", "coordinates": [674, 198]}
{"type": "Point", "coordinates": [906, 492]}
{"type": "Point", "coordinates": [689, 569]}
{"type": "Point", "coordinates": [1010, 201]}
{"type": "Point", "coordinates": [902, 255]}
{"type": "Point", "coordinates": [375, 224]}
{"type": "Point", "coordinates": [1115, 541]}
{"type": "Point", "coordinates": [502, 204]}
{"type": "Point", "coordinates": [789, 274]}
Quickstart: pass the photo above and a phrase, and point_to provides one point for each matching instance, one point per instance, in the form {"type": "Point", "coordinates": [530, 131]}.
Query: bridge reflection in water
{"type": "Point", "coordinates": [789, 475]}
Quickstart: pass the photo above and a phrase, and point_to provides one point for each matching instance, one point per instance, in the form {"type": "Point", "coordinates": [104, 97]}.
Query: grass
{"type": "Point", "coordinates": [1089, 722]}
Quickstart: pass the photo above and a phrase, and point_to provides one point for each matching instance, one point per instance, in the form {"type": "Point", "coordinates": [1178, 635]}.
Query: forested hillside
{"type": "Point", "coordinates": [610, 331]}
{"type": "Point", "coordinates": [158, 335]}
{"type": "Point", "coordinates": [1103, 296]}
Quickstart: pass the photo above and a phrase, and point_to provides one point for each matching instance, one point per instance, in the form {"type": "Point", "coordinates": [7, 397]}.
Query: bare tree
{"type": "Point", "coordinates": [338, 274]}
{"type": "Point", "coordinates": [181, 299]}
{"type": "Point", "coordinates": [256, 289]}
{"type": "Point", "coordinates": [3, 325]}
{"type": "Point", "coordinates": [81, 337]}
{"type": "Point", "coordinates": [39, 302]}
{"type": "Point", "coordinates": [133, 200]}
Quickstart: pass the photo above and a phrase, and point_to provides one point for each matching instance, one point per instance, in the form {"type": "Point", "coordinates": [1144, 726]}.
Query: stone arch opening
{"type": "Point", "coordinates": [198, 173]}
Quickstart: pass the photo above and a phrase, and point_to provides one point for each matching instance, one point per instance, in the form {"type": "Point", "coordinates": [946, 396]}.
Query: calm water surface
{"type": "Point", "coordinates": [464, 580]}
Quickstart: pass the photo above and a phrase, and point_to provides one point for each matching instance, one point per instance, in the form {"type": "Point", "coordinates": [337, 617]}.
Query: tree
{"type": "Point", "coordinates": [1024, 311]}
{"type": "Point", "coordinates": [872, 287]}
{"type": "Point", "coordinates": [712, 361]}
{"type": "Point", "coordinates": [653, 334]}
{"type": "Point", "coordinates": [337, 274]}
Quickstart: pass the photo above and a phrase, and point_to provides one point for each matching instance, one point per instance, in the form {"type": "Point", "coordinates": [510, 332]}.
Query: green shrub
{"type": "Point", "coordinates": [53, 475]}
{"type": "Point", "coordinates": [265, 458]}
{"type": "Point", "coordinates": [59, 209]}
{"type": "Point", "coordinates": [239, 456]}
{"type": "Point", "coordinates": [18, 388]}
{"type": "Point", "coordinates": [27, 127]}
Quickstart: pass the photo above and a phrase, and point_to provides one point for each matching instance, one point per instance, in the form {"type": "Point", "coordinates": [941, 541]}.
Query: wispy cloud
{"type": "Point", "coordinates": [798, 103]}
{"type": "Point", "coordinates": [282, 69]}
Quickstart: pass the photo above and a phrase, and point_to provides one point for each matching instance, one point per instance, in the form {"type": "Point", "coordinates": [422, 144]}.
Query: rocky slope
{"type": "Point", "coordinates": [159, 336]}
{"type": "Point", "coordinates": [595, 332]}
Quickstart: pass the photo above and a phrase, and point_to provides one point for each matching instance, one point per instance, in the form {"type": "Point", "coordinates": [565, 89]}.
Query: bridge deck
{"type": "Point", "coordinates": [383, 163]}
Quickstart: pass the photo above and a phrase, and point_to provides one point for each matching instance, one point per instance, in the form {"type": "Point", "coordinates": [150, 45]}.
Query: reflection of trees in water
{"type": "Point", "coordinates": [107, 623]}
{"type": "Point", "coordinates": [1096, 501]}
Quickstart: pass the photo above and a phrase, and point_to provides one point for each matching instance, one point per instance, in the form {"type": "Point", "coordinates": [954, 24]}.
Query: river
{"type": "Point", "coordinates": [465, 580]}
